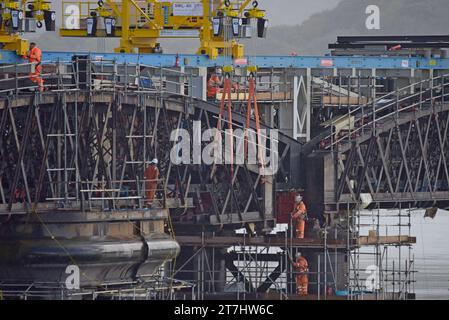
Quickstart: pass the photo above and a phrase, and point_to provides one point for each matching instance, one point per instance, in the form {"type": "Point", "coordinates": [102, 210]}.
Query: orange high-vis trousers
{"type": "Point", "coordinates": [37, 79]}
{"type": "Point", "coordinates": [302, 284]}
{"type": "Point", "coordinates": [35, 56]}
{"type": "Point", "coordinates": [300, 227]}
{"type": "Point", "coordinates": [151, 175]}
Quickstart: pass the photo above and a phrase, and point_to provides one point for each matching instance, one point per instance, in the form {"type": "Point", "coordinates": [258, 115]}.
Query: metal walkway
{"type": "Point", "coordinates": [190, 60]}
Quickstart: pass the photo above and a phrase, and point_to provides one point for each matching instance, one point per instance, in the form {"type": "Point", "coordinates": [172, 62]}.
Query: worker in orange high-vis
{"type": "Point", "coordinates": [302, 279]}
{"type": "Point", "coordinates": [214, 84]}
{"type": "Point", "coordinates": [299, 217]}
{"type": "Point", "coordinates": [35, 56]}
{"type": "Point", "coordinates": [151, 176]}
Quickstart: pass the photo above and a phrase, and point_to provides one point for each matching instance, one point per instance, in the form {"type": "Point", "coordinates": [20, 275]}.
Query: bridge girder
{"type": "Point", "coordinates": [396, 154]}
{"type": "Point", "coordinates": [60, 146]}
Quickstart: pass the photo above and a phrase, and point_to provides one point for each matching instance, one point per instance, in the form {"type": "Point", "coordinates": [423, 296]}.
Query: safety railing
{"type": "Point", "coordinates": [97, 76]}
{"type": "Point", "coordinates": [125, 193]}
{"type": "Point", "coordinates": [367, 117]}
{"type": "Point", "coordinates": [87, 75]}
{"type": "Point", "coordinates": [119, 194]}
{"type": "Point", "coordinates": [270, 87]}
{"type": "Point", "coordinates": [146, 287]}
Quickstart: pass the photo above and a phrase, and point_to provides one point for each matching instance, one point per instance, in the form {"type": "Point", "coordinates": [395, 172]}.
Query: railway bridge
{"type": "Point", "coordinates": [73, 186]}
{"type": "Point", "coordinates": [73, 189]}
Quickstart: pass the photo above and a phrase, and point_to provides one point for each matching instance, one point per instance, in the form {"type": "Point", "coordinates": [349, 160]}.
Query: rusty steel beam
{"type": "Point", "coordinates": [269, 241]}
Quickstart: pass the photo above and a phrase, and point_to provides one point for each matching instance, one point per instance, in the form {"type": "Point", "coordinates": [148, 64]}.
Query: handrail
{"type": "Point", "coordinates": [398, 101]}
{"type": "Point", "coordinates": [118, 77]}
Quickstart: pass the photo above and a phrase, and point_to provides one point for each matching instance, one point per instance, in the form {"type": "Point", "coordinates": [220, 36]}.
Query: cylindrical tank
{"type": "Point", "coordinates": [107, 248]}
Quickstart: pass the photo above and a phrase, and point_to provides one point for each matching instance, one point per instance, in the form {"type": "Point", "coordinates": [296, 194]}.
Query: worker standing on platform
{"type": "Point", "coordinates": [151, 177]}
{"type": "Point", "coordinates": [19, 194]}
{"type": "Point", "coordinates": [302, 279]}
{"type": "Point", "coordinates": [214, 84]}
{"type": "Point", "coordinates": [299, 217]}
{"type": "Point", "coordinates": [35, 56]}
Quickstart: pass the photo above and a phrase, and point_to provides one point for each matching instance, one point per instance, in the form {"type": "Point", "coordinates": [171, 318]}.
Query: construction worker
{"type": "Point", "coordinates": [35, 56]}
{"type": "Point", "coordinates": [151, 177]}
{"type": "Point", "coordinates": [19, 194]}
{"type": "Point", "coordinates": [302, 279]}
{"type": "Point", "coordinates": [299, 217]}
{"type": "Point", "coordinates": [214, 84]}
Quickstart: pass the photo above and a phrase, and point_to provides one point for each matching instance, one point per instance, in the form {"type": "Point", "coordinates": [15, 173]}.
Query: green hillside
{"type": "Point", "coordinates": [348, 18]}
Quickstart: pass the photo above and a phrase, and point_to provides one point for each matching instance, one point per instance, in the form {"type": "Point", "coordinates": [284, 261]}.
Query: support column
{"type": "Point", "coordinates": [221, 271]}
{"type": "Point", "coordinates": [302, 106]}
{"type": "Point", "coordinates": [268, 202]}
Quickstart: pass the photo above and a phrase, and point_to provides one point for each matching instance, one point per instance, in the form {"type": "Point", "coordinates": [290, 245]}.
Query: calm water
{"type": "Point", "coordinates": [431, 255]}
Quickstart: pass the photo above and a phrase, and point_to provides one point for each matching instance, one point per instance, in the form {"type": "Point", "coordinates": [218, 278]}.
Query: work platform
{"type": "Point", "coordinates": [298, 62]}
{"type": "Point", "coordinates": [282, 241]}
{"type": "Point", "coordinates": [268, 241]}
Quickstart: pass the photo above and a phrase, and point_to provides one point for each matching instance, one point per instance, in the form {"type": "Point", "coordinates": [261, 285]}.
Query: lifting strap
{"type": "Point", "coordinates": [226, 100]}
{"type": "Point", "coordinates": [252, 101]}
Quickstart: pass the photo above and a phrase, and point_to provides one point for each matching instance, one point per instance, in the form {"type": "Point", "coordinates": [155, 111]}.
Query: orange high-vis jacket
{"type": "Point", "coordinates": [213, 86]}
{"type": "Point", "coordinates": [151, 176]}
{"type": "Point", "coordinates": [300, 210]}
{"type": "Point", "coordinates": [35, 55]}
{"type": "Point", "coordinates": [301, 265]}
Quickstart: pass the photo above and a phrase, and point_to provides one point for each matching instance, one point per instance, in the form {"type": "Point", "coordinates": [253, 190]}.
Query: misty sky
{"type": "Point", "coordinates": [293, 12]}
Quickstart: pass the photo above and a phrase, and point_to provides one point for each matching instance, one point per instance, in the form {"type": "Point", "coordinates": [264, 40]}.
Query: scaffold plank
{"type": "Point", "coordinates": [386, 240]}
{"type": "Point", "coordinates": [271, 241]}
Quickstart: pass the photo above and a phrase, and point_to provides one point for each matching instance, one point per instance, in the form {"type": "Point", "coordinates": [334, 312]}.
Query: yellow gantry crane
{"type": "Point", "coordinates": [20, 16]}
{"type": "Point", "coordinates": [140, 24]}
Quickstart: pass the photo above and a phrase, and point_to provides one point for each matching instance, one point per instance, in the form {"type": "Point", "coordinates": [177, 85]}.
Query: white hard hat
{"type": "Point", "coordinates": [218, 71]}
{"type": "Point", "coordinates": [154, 161]}
{"type": "Point", "coordinates": [298, 198]}
{"type": "Point", "coordinates": [298, 255]}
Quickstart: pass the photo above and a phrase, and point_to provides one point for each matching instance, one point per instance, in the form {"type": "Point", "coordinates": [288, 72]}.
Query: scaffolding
{"type": "Point", "coordinates": [383, 263]}
{"type": "Point", "coordinates": [152, 287]}
{"type": "Point", "coordinates": [217, 264]}
{"type": "Point", "coordinates": [242, 267]}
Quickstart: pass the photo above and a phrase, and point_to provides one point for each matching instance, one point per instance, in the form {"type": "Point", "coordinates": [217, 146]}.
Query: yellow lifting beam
{"type": "Point", "coordinates": [18, 15]}
{"type": "Point", "coordinates": [141, 23]}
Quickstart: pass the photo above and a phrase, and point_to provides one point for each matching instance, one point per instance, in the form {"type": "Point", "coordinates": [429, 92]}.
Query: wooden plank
{"type": "Point", "coordinates": [344, 100]}
{"type": "Point", "coordinates": [261, 96]}
{"type": "Point", "coordinates": [385, 240]}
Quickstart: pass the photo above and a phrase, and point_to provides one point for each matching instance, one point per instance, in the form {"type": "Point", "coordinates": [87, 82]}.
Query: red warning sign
{"type": "Point", "coordinates": [326, 63]}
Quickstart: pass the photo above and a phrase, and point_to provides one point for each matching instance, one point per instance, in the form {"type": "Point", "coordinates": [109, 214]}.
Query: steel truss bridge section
{"type": "Point", "coordinates": [82, 146]}
{"type": "Point", "coordinates": [85, 145]}
{"type": "Point", "coordinates": [394, 153]}
{"type": "Point", "coordinates": [72, 175]}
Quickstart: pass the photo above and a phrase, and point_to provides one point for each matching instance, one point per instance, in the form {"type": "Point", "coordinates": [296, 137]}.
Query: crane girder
{"type": "Point", "coordinates": [141, 23]}
{"type": "Point", "coordinates": [19, 16]}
